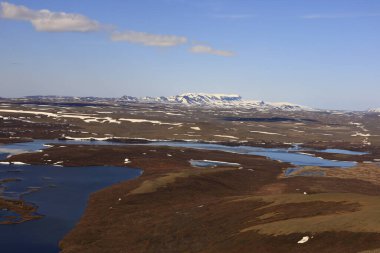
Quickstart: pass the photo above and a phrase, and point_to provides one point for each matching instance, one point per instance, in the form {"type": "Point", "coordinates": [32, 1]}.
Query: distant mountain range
{"type": "Point", "coordinates": [188, 99]}
{"type": "Point", "coordinates": [215, 100]}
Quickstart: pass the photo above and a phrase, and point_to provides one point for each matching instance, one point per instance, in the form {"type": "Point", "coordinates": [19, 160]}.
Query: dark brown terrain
{"type": "Point", "coordinates": [174, 207]}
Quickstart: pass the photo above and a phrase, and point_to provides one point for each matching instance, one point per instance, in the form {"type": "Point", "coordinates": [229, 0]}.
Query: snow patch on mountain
{"type": "Point", "coordinates": [205, 99]}
{"type": "Point", "coordinates": [217, 100]}
{"type": "Point", "coordinates": [376, 110]}
{"type": "Point", "coordinates": [129, 99]}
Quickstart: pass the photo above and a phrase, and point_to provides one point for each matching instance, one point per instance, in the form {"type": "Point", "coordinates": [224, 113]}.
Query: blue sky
{"type": "Point", "coordinates": [321, 53]}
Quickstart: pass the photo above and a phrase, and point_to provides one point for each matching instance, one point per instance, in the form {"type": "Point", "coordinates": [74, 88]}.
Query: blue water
{"type": "Point", "coordinates": [203, 163]}
{"type": "Point", "coordinates": [17, 148]}
{"type": "Point", "coordinates": [280, 154]}
{"type": "Point", "coordinates": [289, 172]}
{"type": "Point", "coordinates": [60, 193]}
{"type": "Point", "coordinates": [342, 151]}
{"type": "Point", "coordinates": [6, 214]}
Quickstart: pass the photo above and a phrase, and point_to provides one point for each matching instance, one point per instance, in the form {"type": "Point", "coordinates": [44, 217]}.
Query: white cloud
{"type": "Point", "coordinates": [48, 21]}
{"type": "Point", "coordinates": [148, 39]}
{"type": "Point", "coordinates": [204, 49]}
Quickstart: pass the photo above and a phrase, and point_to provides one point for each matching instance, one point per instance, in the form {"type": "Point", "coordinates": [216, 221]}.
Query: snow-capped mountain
{"type": "Point", "coordinates": [216, 100]}
{"type": "Point", "coordinates": [376, 110]}
{"type": "Point", "coordinates": [205, 99]}
{"type": "Point", "coordinates": [128, 99]}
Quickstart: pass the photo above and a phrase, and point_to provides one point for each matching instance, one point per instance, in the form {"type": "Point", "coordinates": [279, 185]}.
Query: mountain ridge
{"type": "Point", "coordinates": [216, 100]}
{"type": "Point", "coordinates": [186, 99]}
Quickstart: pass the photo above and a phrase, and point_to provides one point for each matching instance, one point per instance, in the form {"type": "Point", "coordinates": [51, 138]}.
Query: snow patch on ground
{"type": "Point", "coordinates": [86, 139]}
{"type": "Point", "coordinates": [226, 136]}
{"type": "Point", "coordinates": [298, 131]}
{"type": "Point", "coordinates": [13, 163]}
{"type": "Point", "coordinates": [88, 118]}
{"type": "Point", "coordinates": [366, 136]}
{"type": "Point", "coordinates": [269, 133]}
{"type": "Point", "coordinates": [361, 134]}
{"type": "Point", "coordinates": [150, 121]}
{"type": "Point", "coordinates": [303, 240]}
{"type": "Point", "coordinates": [176, 114]}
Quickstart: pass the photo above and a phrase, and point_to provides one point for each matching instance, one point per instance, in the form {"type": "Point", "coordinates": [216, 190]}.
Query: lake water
{"type": "Point", "coordinates": [291, 155]}
{"type": "Point", "coordinates": [281, 154]}
{"type": "Point", "coordinates": [208, 163]}
{"type": "Point", "coordinates": [61, 193]}
{"type": "Point", "coordinates": [343, 151]}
